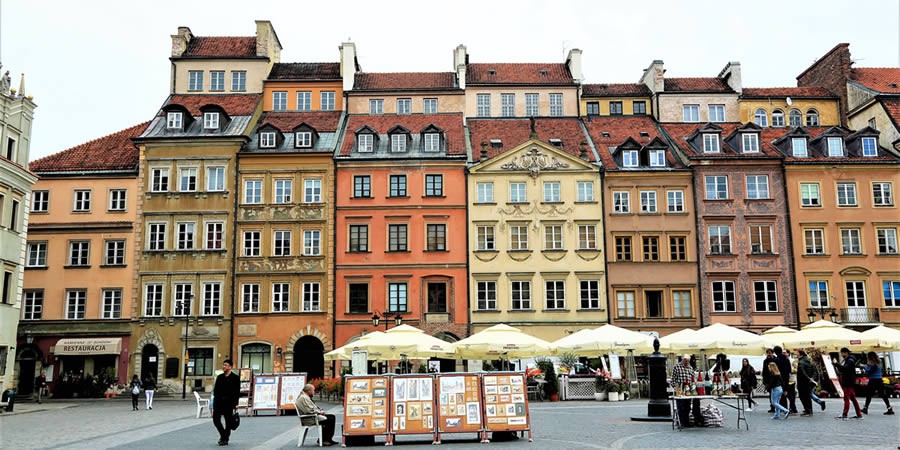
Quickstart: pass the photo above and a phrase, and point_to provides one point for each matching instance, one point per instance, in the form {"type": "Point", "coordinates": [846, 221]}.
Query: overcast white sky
{"type": "Point", "coordinates": [95, 67]}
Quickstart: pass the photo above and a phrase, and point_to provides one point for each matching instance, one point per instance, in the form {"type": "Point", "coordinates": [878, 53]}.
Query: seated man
{"type": "Point", "coordinates": [306, 406]}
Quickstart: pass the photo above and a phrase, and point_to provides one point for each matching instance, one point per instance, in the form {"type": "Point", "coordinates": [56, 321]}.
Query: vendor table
{"type": "Point", "coordinates": [738, 405]}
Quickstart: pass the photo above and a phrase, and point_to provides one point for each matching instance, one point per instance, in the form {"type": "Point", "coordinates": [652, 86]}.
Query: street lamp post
{"type": "Point", "coordinates": [826, 312]}
{"type": "Point", "coordinates": [187, 317]}
{"type": "Point", "coordinates": [386, 318]}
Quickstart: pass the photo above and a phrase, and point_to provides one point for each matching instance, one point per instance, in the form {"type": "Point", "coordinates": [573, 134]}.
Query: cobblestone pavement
{"type": "Point", "coordinates": [566, 425]}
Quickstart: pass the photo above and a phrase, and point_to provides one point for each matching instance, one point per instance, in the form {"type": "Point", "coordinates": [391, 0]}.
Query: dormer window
{"type": "Point", "coordinates": [778, 118]}
{"type": "Point", "coordinates": [303, 139]}
{"type": "Point", "coordinates": [869, 146]}
{"type": "Point", "coordinates": [210, 120]}
{"type": "Point", "coordinates": [398, 143]}
{"type": "Point", "coordinates": [798, 147]}
{"type": "Point", "coordinates": [556, 142]}
{"type": "Point", "coordinates": [365, 143]}
{"type": "Point", "coordinates": [657, 158]}
{"type": "Point", "coordinates": [431, 142]}
{"type": "Point", "coordinates": [630, 158]}
{"type": "Point", "coordinates": [835, 146]}
{"type": "Point", "coordinates": [750, 142]}
{"type": "Point", "coordinates": [174, 120]}
{"type": "Point", "coordinates": [267, 139]}
{"type": "Point", "coordinates": [496, 143]}
{"type": "Point", "coordinates": [711, 143]}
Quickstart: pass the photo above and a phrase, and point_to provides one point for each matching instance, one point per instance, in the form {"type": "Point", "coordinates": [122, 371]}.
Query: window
{"type": "Point", "coordinates": [887, 241]}
{"type": "Point", "coordinates": [657, 158]}
{"type": "Point", "coordinates": [281, 243]}
{"type": "Point", "coordinates": [809, 194]}
{"type": "Point", "coordinates": [531, 105]}
{"type": "Point", "coordinates": [195, 80]}
{"type": "Point", "coordinates": [723, 296]}
{"type": "Point", "coordinates": [625, 304]}
{"type": "Point", "coordinates": [239, 80]}
{"type": "Point", "coordinates": [873, 123]}
{"type": "Point", "coordinates": [812, 118]}
{"type": "Point", "coordinates": [252, 243]}
{"type": "Point", "coordinates": [311, 297]}
{"type": "Point", "coordinates": [156, 236]}
{"type": "Point", "coordinates": [397, 186]}
{"type": "Point", "coordinates": [675, 201]}
{"type": "Point", "coordinates": [153, 296]}
{"type": "Point", "coordinates": [434, 185]}
{"type": "Point", "coordinates": [750, 142]}
{"type": "Point", "coordinates": [850, 241]}
{"type": "Point", "coordinates": [551, 191]}
{"type": "Point", "coordinates": [778, 118]}
{"type": "Point", "coordinates": [765, 296]}
{"type": "Point", "coordinates": [846, 194]}
{"type": "Point", "coordinates": [585, 191]}
{"type": "Point", "coordinates": [40, 201]}
{"type": "Point", "coordinates": [719, 239]}
{"type": "Point", "coordinates": [358, 297]}
{"type": "Point", "coordinates": [404, 105]}
{"type": "Point", "coordinates": [484, 238]}
{"type": "Point", "coordinates": [711, 143]}
{"type": "Point", "coordinates": [587, 237]}
{"type": "Point", "coordinates": [82, 201]}
{"type": "Point", "coordinates": [203, 361]}
{"type": "Point", "coordinates": [327, 101]}
{"type": "Point", "coordinates": [37, 254]}
{"type": "Point", "coordinates": [283, 191]}
{"type": "Point", "coordinates": [517, 193]}
{"type": "Point", "coordinates": [210, 120]}
{"type": "Point", "coordinates": [484, 192]}
{"type": "Point", "coordinates": [621, 202]}
{"type": "Point", "coordinates": [856, 293]}
{"type": "Point", "coordinates": [185, 236]}
{"type": "Point", "coordinates": [13, 216]}
{"type": "Point", "coordinates": [398, 143]}
{"type": "Point", "coordinates": [648, 202]}
{"type": "Point", "coordinates": [835, 146]}
{"type": "Point", "coordinates": [794, 119]}
{"type": "Point", "coordinates": [553, 237]}
{"type": "Point", "coordinates": [312, 191]}
{"type": "Point", "coordinates": [376, 106]}
{"type": "Point", "coordinates": [281, 297]}
{"type": "Point", "coordinates": [432, 142]}
{"type": "Point", "coordinates": [651, 248]}
{"type": "Point", "coordinates": [757, 187]}
{"type": "Point", "coordinates": [690, 113]}
{"type": "Point", "coordinates": [114, 253]}
{"type": "Point", "coordinates": [891, 293]}
{"type": "Point", "coordinates": [654, 301]}
{"type": "Point", "coordinates": [487, 295]}
{"type": "Point", "coordinates": [798, 147]}
{"type": "Point", "coordinates": [187, 179]}
{"type": "Point", "coordinates": [881, 194]}
{"type": "Point", "coordinates": [33, 306]}
{"type": "Point", "coordinates": [359, 238]}
{"type": "Point", "coordinates": [436, 235]}
{"type": "Point", "coordinates": [630, 158]}
{"type": "Point", "coordinates": [215, 179]}
{"type": "Point", "coordinates": [681, 304]}
{"type": "Point", "coordinates": [365, 143]}
{"type": "Point", "coordinates": [117, 198]}
{"type": "Point", "coordinates": [716, 187]}
{"type": "Point", "coordinates": [639, 107]}
{"type": "Point", "coordinates": [397, 238]}
{"type": "Point", "coordinates": [761, 118]}
{"type": "Point", "coordinates": [303, 139]}
{"type": "Point", "coordinates": [397, 297]}
{"type": "Point", "coordinates": [267, 139]}
{"type": "Point", "coordinates": [215, 235]}
{"type": "Point", "coordinates": [589, 294]}
{"type": "Point", "coordinates": [483, 105]}
{"type": "Point", "coordinates": [507, 105]}
{"type": "Point", "coordinates": [304, 101]}
{"type": "Point", "coordinates": [623, 248]}
{"type": "Point", "coordinates": [75, 303]}
{"type": "Point", "coordinates": [173, 120]}
{"type": "Point", "coordinates": [556, 105]}
{"type": "Point", "coordinates": [678, 248]}
{"type": "Point", "coordinates": [869, 146]}
{"type": "Point", "coordinates": [79, 253]}
{"type": "Point", "coordinates": [430, 106]}
{"type": "Point", "coordinates": [555, 294]}
{"type": "Point", "coordinates": [761, 239]}
{"type": "Point", "coordinates": [814, 241]}
{"type": "Point", "coordinates": [183, 299]}
{"type": "Point", "coordinates": [593, 108]}
{"type": "Point", "coordinates": [615, 108]}
{"type": "Point", "coordinates": [520, 295]}
{"type": "Point", "coordinates": [312, 240]}
{"type": "Point", "coordinates": [362, 186]}
{"type": "Point", "coordinates": [217, 80]}
{"type": "Point", "coordinates": [518, 237]}
{"type": "Point", "coordinates": [716, 113]}
{"type": "Point", "coordinates": [818, 293]}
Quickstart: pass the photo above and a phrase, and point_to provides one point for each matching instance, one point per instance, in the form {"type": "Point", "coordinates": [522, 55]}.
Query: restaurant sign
{"type": "Point", "coordinates": [88, 346]}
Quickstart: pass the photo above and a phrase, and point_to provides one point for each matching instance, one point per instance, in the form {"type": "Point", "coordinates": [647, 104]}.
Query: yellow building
{"type": "Point", "coordinates": [609, 99]}
{"type": "Point", "coordinates": [789, 107]}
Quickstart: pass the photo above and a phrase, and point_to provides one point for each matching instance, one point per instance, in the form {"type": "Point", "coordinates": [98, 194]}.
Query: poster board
{"type": "Point", "coordinates": [459, 403]}
{"type": "Point", "coordinates": [265, 392]}
{"type": "Point", "coordinates": [291, 385]}
{"type": "Point", "coordinates": [366, 405]}
{"type": "Point", "coordinates": [832, 374]}
{"type": "Point", "coordinates": [505, 401]}
{"type": "Point", "coordinates": [245, 399]}
{"type": "Point", "coordinates": [412, 404]}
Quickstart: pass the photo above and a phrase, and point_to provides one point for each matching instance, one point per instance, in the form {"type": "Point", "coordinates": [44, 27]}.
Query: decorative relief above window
{"type": "Point", "coordinates": [534, 161]}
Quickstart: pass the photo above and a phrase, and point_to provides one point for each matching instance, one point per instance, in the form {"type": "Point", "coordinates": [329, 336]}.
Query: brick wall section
{"type": "Point", "coordinates": [831, 72]}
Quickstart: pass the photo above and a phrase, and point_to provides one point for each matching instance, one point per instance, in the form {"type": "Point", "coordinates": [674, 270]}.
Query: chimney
{"type": "Point", "coordinates": [654, 76]}
{"type": "Point", "coordinates": [267, 43]}
{"type": "Point", "coordinates": [460, 59]}
{"type": "Point", "coordinates": [731, 74]}
{"type": "Point", "coordinates": [349, 66]}
{"type": "Point", "coordinates": [180, 41]}
{"type": "Point", "coordinates": [573, 62]}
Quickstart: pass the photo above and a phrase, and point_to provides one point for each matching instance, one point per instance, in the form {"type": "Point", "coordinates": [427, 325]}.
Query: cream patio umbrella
{"type": "Point", "coordinates": [666, 341]}
{"type": "Point", "coordinates": [830, 336]}
{"type": "Point", "coordinates": [346, 352]}
{"type": "Point", "coordinates": [400, 342]}
{"type": "Point", "coordinates": [889, 338]}
{"type": "Point", "coordinates": [775, 335]}
{"type": "Point", "coordinates": [501, 342]}
{"type": "Point", "coordinates": [605, 339]}
{"type": "Point", "coordinates": [719, 338]}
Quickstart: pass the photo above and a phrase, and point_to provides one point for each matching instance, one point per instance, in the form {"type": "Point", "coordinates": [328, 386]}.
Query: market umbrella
{"type": "Point", "coordinates": [400, 342]}
{"type": "Point", "coordinates": [889, 338]}
{"type": "Point", "coordinates": [719, 338]}
{"type": "Point", "coordinates": [775, 335]}
{"type": "Point", "coordinates": [501, 342]}
{"type": "Point", "coordinates": [830, 336]}
{"type": "Point", "coordinates": [346, 352]}
{"type": "Point", "coordinates": [666, 341]}
{"type": "Point", "coordinates": [605, 339]}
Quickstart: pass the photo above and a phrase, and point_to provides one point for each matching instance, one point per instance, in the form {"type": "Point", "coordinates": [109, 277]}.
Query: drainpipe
{"type": "Point", "coordinates": [790, 246]}
{"type": "Point", "coordinates": [234, 253]}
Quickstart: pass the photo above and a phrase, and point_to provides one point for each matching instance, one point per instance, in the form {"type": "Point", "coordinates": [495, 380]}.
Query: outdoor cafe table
{"type": "Point", "coordinates": [738, 404]}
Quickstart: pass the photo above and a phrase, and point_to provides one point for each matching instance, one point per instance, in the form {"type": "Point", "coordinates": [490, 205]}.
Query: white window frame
{"type": "Point", "coordinates": [187, 179]}
{"type": "Point", "coordinates": [625, 306]}
{"type": "Point", "coordinates": [711, 143]}
{"type": "Point", "coordinates": [882, 193]}
{"type": "Point", "coordinates": [532, 104]}
{"type": "Point", "coordinates": [818, 293]}
{"type": "Point", "coordinates": [429, 106]}
{"type": "Point", "coordinates": [630, 158]}
{"type": "Point", "coordinates": [304, 100]}
{"type": "Point", "coordinates": [195, 80]}
{"type": "Point", "coordinates": [485, 238]}
{"type": "Point", "coordinates": [118, 199]}
{"type": "Point", "coordinates": [312, 297]}
{"type": "Point", "coordinates": [851, 241]}
{"type": "Point", "coordinates": [868, 146]}
{"type": "Point", "coordinates": [846, 194]}
{"type": "Point", "coordinates": [761, 117]}
{"type": "Point", "coordinates": [716, 113]}
{"type": "Point", "coordinates": [716, 181]}
{"type": "Point", "coordinates": [813, 241]}
{"type": "Point", "coordinates": [551, 192]}
{"type": "Point", "coordinates": [281, 297]}
{"type": "Point", "coordinates": [887, 241]}
{"type": "Point", "coordinates": [518, 237]}
{"type": "Point", "coordinates": [37, 254]}
{"type": "Point", "coordinates": [757, 187]}
{"type": "Point", "coordinates": [312, 242]}
{"type": "Point", "coordinates": [253, 191]}
{"type": "Point", "coordinates": [518, 192]}
{"type": "Point", "coordinates": [365, 143]}
{"type": "Point", "coordinates": [690, 113]}
{"type": "Point", "coordinates": [810, 195]}
{"type": "Point", "coordinates": [156, 236]}
{"type": "Point", "coordinates": [210, 120]}
{"type": "Point", "coordinates": [675, 201]}
{"type": "Point", "coordinates": [621, 202]}
{"type": "Point", "coordinates": [398, 143]}
{"type": "Point", "coordinates": [186, 235]}
{"type": "Point", "coordinates": [648, 202]}
{"type": "Point", "coordinates": [153, 300]}
{"type": "Point", "coordinates": [327, 101]}
{"type": "Point", "coordinates": [303, 139]}
{"type": "Point", "coordinates": [483, 105]}
{"type": "Point", "coordinates": [486, 293]}
{"type": "Point", "coordinates": [553, 237]}
{"type": "Point", "coordinates": [174, 120]}
{"type": "Point", "coordinates": [799, 149]}
{"type": "Point", "coordinates": [587, 237]}
{"type": "Point", "coordinates": [215, 178]}
{"type": "Point", "coordinates": [519, 292]}
{"type": "Point", "coordinates": [40, 201]}
{"type": "Point", "coordinates": [404, 106]}
{"type": "Point", "coordinates": [283, 191]}
{"type": "Point", "coordinates": [114, 252]}
{"type": "Point", "coordinates": [835, 146]}
{"type": "Point", "coordinates": [376, 106]}
{"type": "Point", "coordinates": [282, 242]}
{"type": "Point", "coordinates": [768, 289]}
{"type": "Point", "coordinates": [585, 191]}
{"type": "Point", "coordinates": [79, 253]}
{"type": "Point", "coordinates": [484, 192]}
{"type": "Point", "coordinates": [657, 158]}
{"type": "Point", "coordinates": [217, 80]}
{"type": "Point", "coordinates": [279, 100]}
{"type": "Point", "coordinates": [76, 304]}
{"type": "Point", "coordinates": [33, 304]}
{"type": "Point", "coordinates": [252, 243]}
{"type": "Point", "coordinates": [214, 238]}
{"type": "Point", "coordinates": [81, 200]}
{"type": "Point", "coordinates": [312, 190]}
{"type": "Point", "coordinates": [750, 142]}
{"type": "Point", "coordinates": [212, 299]}
{"type": "Point", "coordinates": [556, 105]}
{"type": "Point", "coordinates": [507, 105]}
{"type": "Point", "coordinates": [555, 294]}
{"type": "Point", "coordinates": [267, 139]}
{"type": "Point", "coordinates": [432, 142]}
{"type": "Point", "coordinates": [778, 118]}
{"type": "Point", "coordinates": [238, 80]}
{"type": "Point", "coordinates": [250, 297]}
{"type": "Point", "coordinates": [723, 288]}
{"type": "Point", "coordinates": [719, 239]}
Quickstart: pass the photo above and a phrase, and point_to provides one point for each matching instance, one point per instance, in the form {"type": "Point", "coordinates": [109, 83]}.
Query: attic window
{"type": "Point", "coordinates": [645, 134]}
{"type": "Point", "coordinates": [711, 143]}
{"type": "Point", "coordinates": [210, 120]}
{"type": "Point", "coordinates": [398, 143]}
{"type": "Point", "coordinates": [365, 143]}
{"type": "Point", "coordinates": [869, 147]}
{"type": "Point", "coordinates": [556, 142]}
{"type": "Point", "coordinates": [604, 134]}
{"type": "Point", "coordinates": [835, 146]}
{"type": "Point", "coordinates": [543, 73]}
{"type": "Point", "coordinates": [496, 143]}
{"type": "Point", "coordinates": [492, 72]}
{"type": "Point", "coordinates": [173, 120]}
{"type": "Point", "coordinates": [750, 142]}
{"type": "Point", "coordinates": [432, 142]}
{"type": "Point", "coordinates": [267, 139]}
{"type": "Point", "coordinates": [303, 139]}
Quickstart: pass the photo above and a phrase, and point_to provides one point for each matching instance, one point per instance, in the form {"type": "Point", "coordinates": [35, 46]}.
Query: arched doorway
{"type": "Point", "coordinates": [309, 357]}
{"type": "Point", "coordinates": [28, 360]}
{"type": "Point", "coordinates": [149, 361]}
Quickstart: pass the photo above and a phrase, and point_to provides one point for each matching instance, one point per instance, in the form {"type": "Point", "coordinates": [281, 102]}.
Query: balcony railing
{"type": "Point", "coordinates": [859, 315]}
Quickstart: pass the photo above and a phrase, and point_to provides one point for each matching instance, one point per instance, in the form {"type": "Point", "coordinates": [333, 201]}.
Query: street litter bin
{"type": "Point", "coordinates": [9, 396]}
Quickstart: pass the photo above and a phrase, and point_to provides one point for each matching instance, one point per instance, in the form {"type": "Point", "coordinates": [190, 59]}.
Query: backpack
{"type": "Point", "coordinates": [135, 389]}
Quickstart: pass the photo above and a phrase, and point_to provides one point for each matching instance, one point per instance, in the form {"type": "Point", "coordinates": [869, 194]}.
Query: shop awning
{"type": "Point", "coordinates": [88, 346]}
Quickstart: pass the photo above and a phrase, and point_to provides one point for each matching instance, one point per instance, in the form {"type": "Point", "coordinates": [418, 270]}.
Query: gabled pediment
{"type": "Point", "coordinates": [534, 157]}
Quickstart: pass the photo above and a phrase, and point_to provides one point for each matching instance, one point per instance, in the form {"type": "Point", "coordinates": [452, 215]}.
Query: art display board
{"type": "Point", "coordinates": [412, 404]}
{"type": "Point", "coordinates": [367, 405]}
{"type": "Point", "coordinates": [832, 374]}
{"type": "Point", "coordinates": [459, 404]}
{"type": "Point", "coordinates": [290, 387]}
{"type": "Point", "coordinates": [246, 395]}
{"type": "Point", "coordinates": [505, 401]}
{"type": "Point", "coordinates": [265, 392]}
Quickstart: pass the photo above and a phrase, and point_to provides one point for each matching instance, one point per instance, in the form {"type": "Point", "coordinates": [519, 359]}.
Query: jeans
{"type": "Point", "coordinates": [775, 398]}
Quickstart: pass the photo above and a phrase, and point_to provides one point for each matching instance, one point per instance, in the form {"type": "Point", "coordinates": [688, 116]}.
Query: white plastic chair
{"type": "Point", "coordinates": [304, 429]}
{"type": "Point", "coordinates": [201, 403]}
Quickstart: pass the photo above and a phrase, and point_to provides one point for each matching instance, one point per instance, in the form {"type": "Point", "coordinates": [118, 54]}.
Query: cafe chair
{"type": "Point", "coordinates": [305, 428]}
{"type": "Point", "coordinates": [201, 403]}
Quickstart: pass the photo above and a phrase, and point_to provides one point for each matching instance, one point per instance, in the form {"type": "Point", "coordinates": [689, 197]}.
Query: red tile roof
{"type": "Point", "coordinates": [233, 104]}
{"type": "Point", "coordinates": [608, 132]}
{"type": "Point", "coordinates": [221, 47]}
{"type": "Point", "coordinates": [287, 121]}
{"type": "Point", "coordinates": [452, 124]}
{"type": "Point", "coordinates": [795, 92]}
{"type": "Point", "coordinates": [305, 71]}
{"type": "Point", "coordinates": [881, 79]}
{"type": "Point", "coordinates": [892, 108]}
{"type": "Point", "coordinates": [405, 81]}
{"type": "Point", "coordinates": [513, 132]}
{"type": "Point", "coordinates": [615, 90]}
{"type": "Point", "coordinates": [696, 85]}
{"type": "Point", "coordinates": [680, 132]}
{"type": "Point", "coordinates": [112, 152]}
{"type": "Point", "coordinates": [518, 73]}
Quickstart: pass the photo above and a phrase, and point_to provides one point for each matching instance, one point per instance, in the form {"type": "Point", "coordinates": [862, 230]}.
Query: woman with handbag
{"type": "Point", "coordinates": [749, 382]}
{"type": "Point", "coordinates": [135, 391]}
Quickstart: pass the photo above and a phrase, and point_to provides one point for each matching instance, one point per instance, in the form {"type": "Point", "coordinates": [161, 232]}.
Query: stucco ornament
{"type": "Point", "coordinates": [534, 161]}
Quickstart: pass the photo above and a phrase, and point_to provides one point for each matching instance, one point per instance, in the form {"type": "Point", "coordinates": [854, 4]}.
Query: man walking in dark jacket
{"type": "Point", "coordinates": [226, 392]}
{"type": "Point", "coordinates": [807, 380]}
{"type": "Point", "coordinates": [847, 369]}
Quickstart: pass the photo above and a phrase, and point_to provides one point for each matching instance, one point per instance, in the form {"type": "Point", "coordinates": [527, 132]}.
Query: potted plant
{"type": "Point", "coordinates": [601, 385]}
{"type": "Point", "coordinates": [551, 387]}
{"type": "Point", "coordinates": [567, 361]}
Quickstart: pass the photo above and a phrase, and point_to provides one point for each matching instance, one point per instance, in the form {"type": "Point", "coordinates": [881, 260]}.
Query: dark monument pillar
{"type": "Point", "coordinates": [658, 408]}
